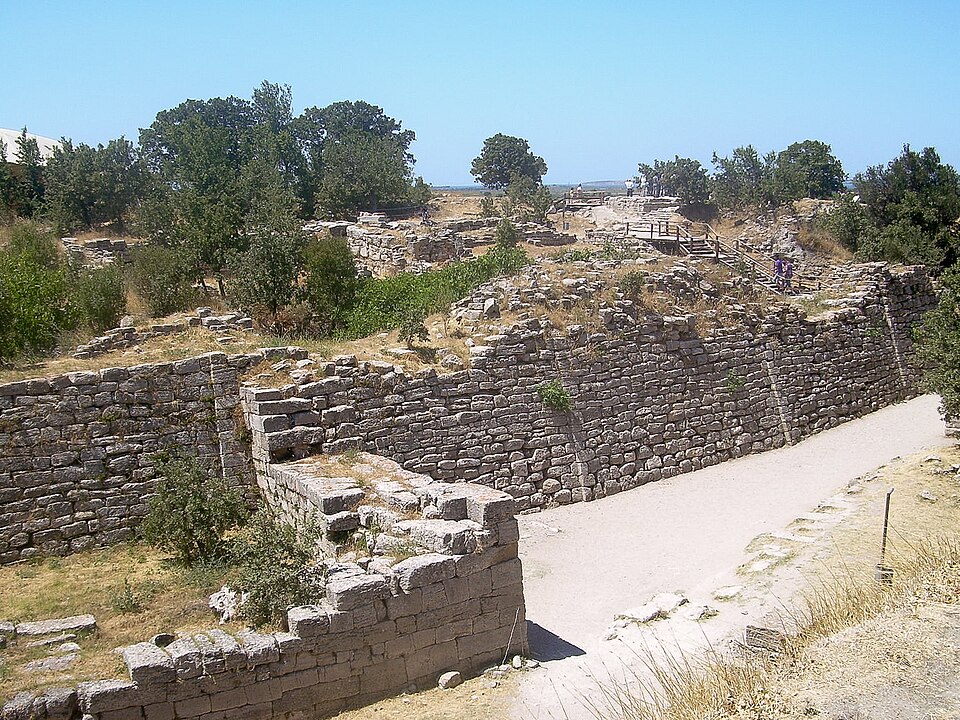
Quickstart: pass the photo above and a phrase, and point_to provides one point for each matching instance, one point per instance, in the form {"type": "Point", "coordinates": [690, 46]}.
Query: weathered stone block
{"type": "Point", "coordinates": [350, 592]}
{"type": "Point", "coordinates": [148, 664]}
{"type": "Point", "coordinates": [424, 570]}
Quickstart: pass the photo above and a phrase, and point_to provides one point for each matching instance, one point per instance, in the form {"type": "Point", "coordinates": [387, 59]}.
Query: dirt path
{"type": "Point", "coordinates": [585, 563]}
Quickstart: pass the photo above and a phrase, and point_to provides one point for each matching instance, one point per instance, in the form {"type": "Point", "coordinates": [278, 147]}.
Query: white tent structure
{"type": "Point", "coordinates": [9, 138]}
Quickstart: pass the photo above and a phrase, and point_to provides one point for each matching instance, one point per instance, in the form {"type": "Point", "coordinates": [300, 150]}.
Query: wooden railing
{"type": "Point", "coordinates": [711, 244]}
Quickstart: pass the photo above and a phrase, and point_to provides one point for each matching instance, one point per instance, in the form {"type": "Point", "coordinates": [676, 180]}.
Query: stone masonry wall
{"type": "Point", "coordinates": [651, 396]}
{"type": "Point", "coordinates": [378, 631]}
{"type": "Point", "coordinates": [77, 451]}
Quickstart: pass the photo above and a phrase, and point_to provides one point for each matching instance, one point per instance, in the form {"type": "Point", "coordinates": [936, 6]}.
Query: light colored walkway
{"type": "Point", "coordinates": [584, 563]}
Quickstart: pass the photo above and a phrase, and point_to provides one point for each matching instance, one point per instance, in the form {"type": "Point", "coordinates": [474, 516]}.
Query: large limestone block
{"type": "Point", "coordinates": [148, 664]}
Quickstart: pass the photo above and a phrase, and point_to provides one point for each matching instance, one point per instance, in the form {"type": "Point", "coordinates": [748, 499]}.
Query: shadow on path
{"type": "Point", "coordinates": [544, 645]}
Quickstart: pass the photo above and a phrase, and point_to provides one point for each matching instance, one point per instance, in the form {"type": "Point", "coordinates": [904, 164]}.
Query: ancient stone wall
{"type": "Point", "coordinates": [651, 396]}
{"type": "Point", "coordinates": [77, 452]}
{"type": "Point", "coordinates": [378, 631]}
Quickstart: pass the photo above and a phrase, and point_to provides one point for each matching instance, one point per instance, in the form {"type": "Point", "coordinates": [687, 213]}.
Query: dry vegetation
{"type": "Point", "coordinates": [856, 648]}
{"type": "Point", "coordinates": [132, 591]}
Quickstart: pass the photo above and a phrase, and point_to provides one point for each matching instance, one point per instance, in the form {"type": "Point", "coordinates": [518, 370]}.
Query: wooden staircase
{"type": "Point", "coordinates": [673, 239]}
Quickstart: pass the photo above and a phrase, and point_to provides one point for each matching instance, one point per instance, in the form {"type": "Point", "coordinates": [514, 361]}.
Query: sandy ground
{"type": "Point", "coordinates": [720, 527]}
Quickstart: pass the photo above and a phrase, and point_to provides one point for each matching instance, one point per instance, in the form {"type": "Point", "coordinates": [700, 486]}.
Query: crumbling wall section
{"type": "Point", "coordinates": [380, 629]}
{"type": "Point", "coordinates": [77, 451]}
{"type": "Point", "coordinates": [651, 396]}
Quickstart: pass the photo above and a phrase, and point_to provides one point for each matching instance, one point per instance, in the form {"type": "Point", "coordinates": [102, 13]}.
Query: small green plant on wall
{"type": "Point", "coordinates": [735, 381]}
{"type": "Point", "coordinates": [553, 395]}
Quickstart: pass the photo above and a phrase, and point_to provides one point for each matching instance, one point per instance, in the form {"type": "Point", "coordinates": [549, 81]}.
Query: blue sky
{"type": "Point", "coordinates": [596, 87]}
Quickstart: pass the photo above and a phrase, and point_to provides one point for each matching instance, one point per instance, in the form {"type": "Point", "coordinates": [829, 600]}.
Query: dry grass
{"type": "Point", "coordinates": [130, 589]}
{"type": "Point", "coordinates": [822, 242]}
{"type": "Point", "coordinates": [849, 636]}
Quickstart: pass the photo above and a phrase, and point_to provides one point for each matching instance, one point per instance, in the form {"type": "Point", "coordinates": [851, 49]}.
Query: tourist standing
{"type": "Point", "coordinates": [628, 183]}
{"type": "Point", "coordinates": [788, 275]}
{"type": "Point", "coordinates": [778, 272]}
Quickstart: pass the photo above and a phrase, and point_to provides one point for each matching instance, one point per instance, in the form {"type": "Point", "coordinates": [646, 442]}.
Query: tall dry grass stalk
{"type": "Point", "coordinates": [672, 685]}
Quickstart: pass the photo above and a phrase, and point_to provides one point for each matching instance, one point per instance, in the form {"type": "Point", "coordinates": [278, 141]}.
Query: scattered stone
{"type": "Point", "coordinates": [766, 639]}
{"type": "Point", "coordinates": [493, 684]}
{"type": "Point", "coordinates": [932, 459]}
{"type": "Point", "coordinates": [450, 680]}
{"type": "Point", "coordinates": [854, 488]}
{"type": "Point", "coordinates": [728, 592]}
{"type": "Point", "coordinates": [62, 638]}
{"type": "Point", "coordinates": [928, 496]}
{"type": "Point", "coordinates": [531, 664]}
{"type": "Point", "coordinates": [226, 603]}
{"type": "Point", "coordinates": [659, 607]}
{"type": "Point", "coordinates": [76, 623]}
{"type": "Point", "coordinates": [53, 664]}
{"type": "Point", "coordinates": [517, 662]}
{"type": "Point", "coordinates": [700, 612]}
{"type": "Point", "coordinates": [68, 647]}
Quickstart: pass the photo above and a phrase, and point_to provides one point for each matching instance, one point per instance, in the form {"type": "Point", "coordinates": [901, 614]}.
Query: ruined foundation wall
{"type": "Point", "coordinates": [651, 396]}
{"type": "Point", "coordinates": [377, 632]}
{"type": "Point", "coordinates": [77, 452]}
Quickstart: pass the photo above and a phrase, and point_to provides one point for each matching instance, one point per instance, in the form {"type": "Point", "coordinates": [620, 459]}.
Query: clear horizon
{"type": "Point", "coordinates": [594, 88]}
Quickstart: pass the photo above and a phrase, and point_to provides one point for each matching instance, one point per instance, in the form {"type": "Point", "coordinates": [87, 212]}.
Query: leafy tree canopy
{"type": "Point", "coordinates": [913, 203]}
{"type": "Point", "coordinates": [682, 177]}
{"type": "Point", "coordinates": [505, 158]}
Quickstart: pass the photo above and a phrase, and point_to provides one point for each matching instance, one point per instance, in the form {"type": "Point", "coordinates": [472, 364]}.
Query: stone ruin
{"type": "Point", "coordinates": [97, 252]}
{"type": "Point", "coordinates": [415, 478]}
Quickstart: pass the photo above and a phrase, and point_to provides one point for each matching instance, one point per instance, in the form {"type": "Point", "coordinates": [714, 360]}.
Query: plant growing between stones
{"type": "Point", "coordinates": [276, 568]}
{"type": "Point", "coordinates": [553, 395]}
{"type": "Point", "coordinates": [735, 381]}
{"type": "Point", "coordinates": [190, 512]}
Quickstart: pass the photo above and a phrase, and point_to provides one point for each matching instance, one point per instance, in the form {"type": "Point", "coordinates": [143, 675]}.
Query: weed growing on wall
{"type": "Point", "coordinates": [554, 396]}
{"type": "Point", "coordinates": [276, 568]}
{"type": "Point", "coordinates": [735, 381]}
{"type": "Point", "coordinates": [190, 512]}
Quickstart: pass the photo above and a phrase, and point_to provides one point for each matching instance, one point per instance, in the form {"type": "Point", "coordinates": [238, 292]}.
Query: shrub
{"type": "Point", "coordinates": [412, 328]}
{"type": "Point", "coordinates": [633, 283]}
{"type": "Point", "coordinates": [276, 569]}
{"type": "Point", "coordinates": [161, 277]}
{"type": "Point", "coordinates": [554, 396]}
{"type": "Point", "coordinates": [100, 297]}
{"type": "Point", "coordinates": [488, 208]}
{"type": "Point", "coordinates": [34, 306]}
{"type": "Point", "coordinates": [191, 511]}
{"type": "Point", "coordinates": [384, 303]}
{"type": "Point", "coordinates": [331, 282]}
{"type": "Point", "coordinates": [34, 244]}
{"type": "Point", "coordinates": [506, 235]}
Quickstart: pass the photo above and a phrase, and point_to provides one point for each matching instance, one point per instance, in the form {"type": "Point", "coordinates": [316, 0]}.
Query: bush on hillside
{"type": "Point", "coordinates": [161, 277]}
{"type": "Point", "coordinates": [190, 512]}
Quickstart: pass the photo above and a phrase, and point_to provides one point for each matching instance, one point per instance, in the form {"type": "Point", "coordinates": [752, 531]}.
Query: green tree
{"type": "Point", "coordinates": [31, 185]}
{"type": "Point", "coordinates": [526, 200]}
{"type": "Point", "coordinates": [71, 193]}
{"type": "Point", "coordinates": [741, 180]}
{"type": "Point", "coordinates": [363, 172]}
{"type": "Point", "coordinates": [503, 159]}
{"type": "Point", "coordinates": [938, 344]}
{"type": "Point", "coordinates": [356, 158]}
{"type": "Point", "coordinates": [161, 278]}
{"type": "Point", "coordinates": [684, 178]}
{"type": "Point", "coordinates": [330, 282]}
{"type": "Point", "coordinates": [914, 201]}
{"type": "Point", "coordinates": [8, 188]}
{"type": "Point", "coordinates": [199, 150]}
{"type": "Point", "coordinates": [806, 169]}
{"type": "Point", "coordinates": [849, 223]}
